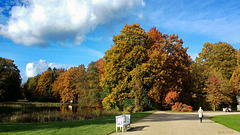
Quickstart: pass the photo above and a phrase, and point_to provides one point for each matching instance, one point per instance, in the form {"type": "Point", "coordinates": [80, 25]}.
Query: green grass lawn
{"type": "Point", "coordinates": [100, 126]}
{"type": "Point", "coordinates": [231, 121]}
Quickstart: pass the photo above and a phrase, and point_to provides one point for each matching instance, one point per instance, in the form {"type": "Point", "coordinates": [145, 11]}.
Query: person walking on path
{"type": "Point", "coordinates": [200, 114]}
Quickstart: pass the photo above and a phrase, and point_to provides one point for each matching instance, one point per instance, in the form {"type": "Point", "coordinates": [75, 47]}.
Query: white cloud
{"type": "Point", "coordinates": [40, 22]}
{"type": "Point", "coordinates": [32, 69]}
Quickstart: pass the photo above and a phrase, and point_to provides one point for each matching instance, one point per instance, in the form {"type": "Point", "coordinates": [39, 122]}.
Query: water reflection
{"type": "Point", "coordinates": [35, 113]}
{"type": "Point", "coordinates": [76, 109]}
{"type": "Point", "coordinates": [68, 109]}
{"type": "Point", "coordinates": [29, 108]}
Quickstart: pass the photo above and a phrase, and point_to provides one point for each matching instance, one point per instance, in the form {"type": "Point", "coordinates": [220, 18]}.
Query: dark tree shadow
{"type": "Point", "coordinates": [138, 128]}
{"type": "Point", "coordinates": [9, 127]}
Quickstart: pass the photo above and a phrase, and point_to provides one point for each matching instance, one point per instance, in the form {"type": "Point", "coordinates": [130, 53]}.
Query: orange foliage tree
{"type": "Point", "coordinates": [45, 81]}
{"type": "Point", "coordinates": [100, 66]}
{"type": "Point", "coordinates": [44, 85]}
{"type": "Point", "coordinates": [57, 86]}
{"type": "Point", "coordinates": [235, 80]}
{"type": "Point", "coordinates": [172, 97]}
{"type": "Point", "coordinates": [169, 65]}
{"type": "Point", "coordinates": [70, 84]}
{"type": "Point", "coordinates": [216, 94]}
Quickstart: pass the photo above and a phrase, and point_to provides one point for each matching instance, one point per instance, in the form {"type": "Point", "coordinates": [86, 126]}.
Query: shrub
{"type": "Point", "coordinates": [128, 109]}
{"type": "Point", "coordinates": [96, 113]}
{"type": "Point", "coordinates": [179, 107]}
{"type": "Point", "coordinates": [172, 97]}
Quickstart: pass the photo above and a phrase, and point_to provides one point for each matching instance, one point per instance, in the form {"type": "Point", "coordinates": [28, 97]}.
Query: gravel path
{"type": "Point", "coordinates": [164, 123]}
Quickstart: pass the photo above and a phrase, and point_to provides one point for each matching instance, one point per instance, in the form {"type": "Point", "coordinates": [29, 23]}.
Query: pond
{"type": "Point", "coordinates": [47, 112]}
{"type": "Point", "coordinates": [36, 107]}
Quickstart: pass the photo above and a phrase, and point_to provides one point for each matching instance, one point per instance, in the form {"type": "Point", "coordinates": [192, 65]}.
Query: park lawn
{"type": "Point", "coordinates": [230, 121]}
{"type": "Point", "coordinates": [101, 126]}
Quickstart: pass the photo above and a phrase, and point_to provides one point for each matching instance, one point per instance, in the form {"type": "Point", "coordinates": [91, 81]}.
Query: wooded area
{"type": "Point", "coordinates": [142, 70]}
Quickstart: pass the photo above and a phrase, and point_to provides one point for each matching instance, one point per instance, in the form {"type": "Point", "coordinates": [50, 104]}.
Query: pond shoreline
{"type": "Point", "coordinates": [24, 112]}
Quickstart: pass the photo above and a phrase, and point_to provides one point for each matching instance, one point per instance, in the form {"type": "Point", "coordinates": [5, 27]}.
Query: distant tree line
{"type": "Point", "coordinates": [142, 70]}
{"type": "Point", "coordinates": [75, 85]}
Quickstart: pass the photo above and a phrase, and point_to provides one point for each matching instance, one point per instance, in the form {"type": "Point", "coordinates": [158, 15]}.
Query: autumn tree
{"type": "Point", "coordinates": [234, 84]}
{"type": "Point", "coordinates": [100, 65]}
{"type": "Point", "coordinates": [137, 86]}
{"type": "Point", "coordinates": [217, 92]}
{"type": "Point", "coordinates": [70, 84]}
{"type": "Point", "coordinates": [128, 51]}
{"type": "Point", "coordinates": [220, 57]}
{"type": "Point", "coordinates": [235, 81]}
{"type": "Point", "coordinates": [10, 80]}
{"type": "Point", "coordinates": [45, 81]}
{"type": "Point", "coordinates": [43, 88]}
{"type": "Point", "coordinates": [57, 86]}
{"type": "Point", "coordinates": [169, 65]}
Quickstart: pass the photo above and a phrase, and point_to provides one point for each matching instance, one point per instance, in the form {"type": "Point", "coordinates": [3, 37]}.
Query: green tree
{"type": "Point", "coordinates": [93, 95]}
{"type": "Point", "coordinates": [219, 56]}
{"type": "Point", "coordinates": [30, 86]}
{"type": "Point", "coordinates": [10, 80]}
{"type": "Point", "coordinates": [197, 82]}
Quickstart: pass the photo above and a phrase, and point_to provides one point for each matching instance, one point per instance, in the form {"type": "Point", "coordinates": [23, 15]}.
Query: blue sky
{"type": "Point", "coordinates": [64, 33]}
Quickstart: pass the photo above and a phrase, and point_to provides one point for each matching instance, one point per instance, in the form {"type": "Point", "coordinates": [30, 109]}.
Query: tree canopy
{"type": "Point", "coordinates": [220, 56]}
{"type": "Point", "coordinates": [10, 80]}
{"type": "Point", "coordinates": [128, 52]}
{"type": "Point", "coordinates": [169, 65]}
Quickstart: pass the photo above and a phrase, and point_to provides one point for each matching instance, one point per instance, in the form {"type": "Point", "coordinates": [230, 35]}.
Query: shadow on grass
{"type": "Point", "coordinates": [8, 127]}
{"type": "Point", "coordinates": [18, 127]}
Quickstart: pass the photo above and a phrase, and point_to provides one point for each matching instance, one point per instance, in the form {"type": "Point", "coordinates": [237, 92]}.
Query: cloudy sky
{"type": "Point", "coordinates": [38, 34]}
